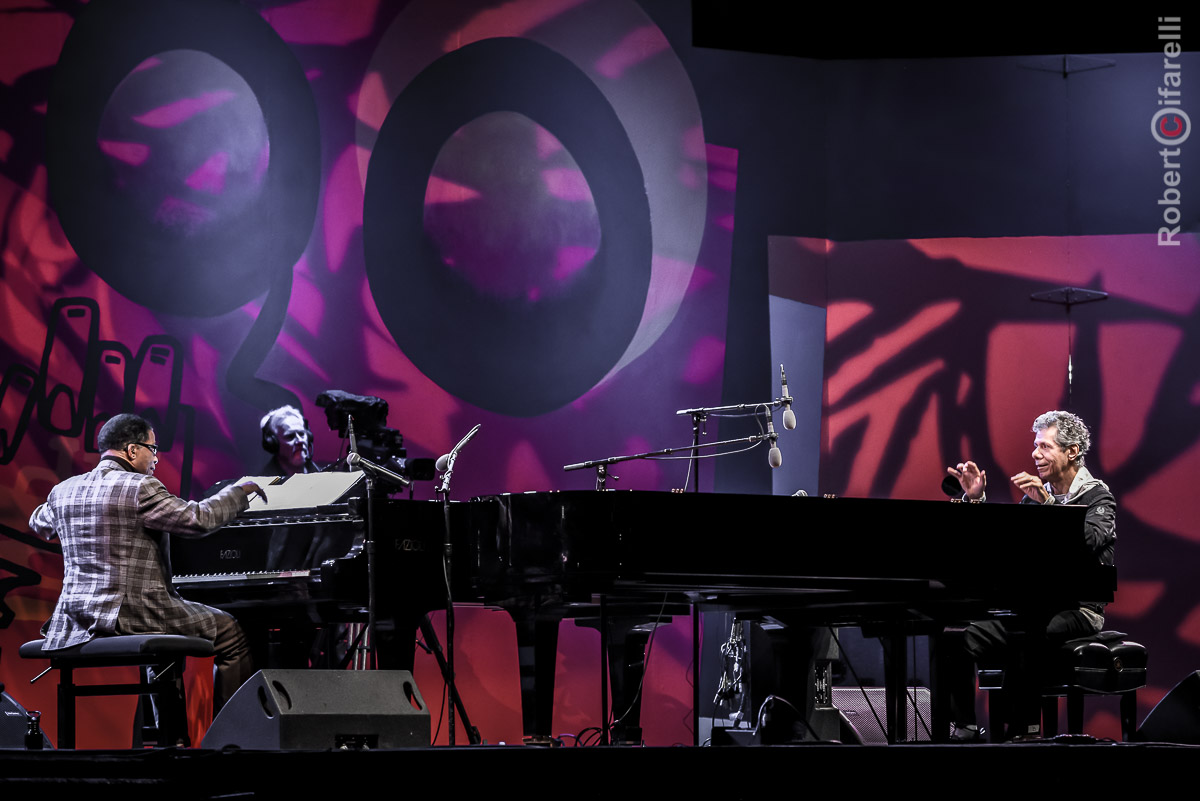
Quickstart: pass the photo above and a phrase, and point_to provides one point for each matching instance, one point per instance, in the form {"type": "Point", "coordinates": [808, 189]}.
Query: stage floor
{"type": "Point", "coordinates": [527, 772]}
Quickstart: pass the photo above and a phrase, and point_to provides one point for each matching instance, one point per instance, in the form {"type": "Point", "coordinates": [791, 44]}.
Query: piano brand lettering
{"type": "Point", "coordinates": [230, 553]}
{"type": "Point", "coordinates": [410, 545]}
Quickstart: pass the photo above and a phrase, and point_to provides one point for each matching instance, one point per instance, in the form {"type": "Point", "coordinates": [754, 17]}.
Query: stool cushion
{"type": "Point", "coordinates": [131, 648]}
{"type": "Point", "coordinates": [1105, 663]}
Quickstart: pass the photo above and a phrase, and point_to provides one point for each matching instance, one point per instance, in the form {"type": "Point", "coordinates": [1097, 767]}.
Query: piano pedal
{"type": "Point", "coordinates": [628, 735]}
{"type": "Point", "coordinates": [542, 741]}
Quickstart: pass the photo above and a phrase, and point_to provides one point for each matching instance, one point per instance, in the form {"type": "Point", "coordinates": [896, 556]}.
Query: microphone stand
{"type": "Point", "coordinates": [368, 546]}
{"type": "Point", "coordinates": [699, 417]}
{"type": "Point", "coordinates": [433, 647]}
{"type": "Point", "coordinates": [447, 558]}
{"type": "Point", "coordinates": [742, 408]}
{"type": "Point", "coordinates": [370, 470]}
{"type": "Point", "coordinates": [447, 561]}
{"type": "Point", "coordinates": [601, 465]}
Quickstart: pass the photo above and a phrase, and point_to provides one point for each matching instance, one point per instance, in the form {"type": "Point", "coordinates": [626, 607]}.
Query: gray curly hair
{"type": "Point", "coordinates": [1068, 430]}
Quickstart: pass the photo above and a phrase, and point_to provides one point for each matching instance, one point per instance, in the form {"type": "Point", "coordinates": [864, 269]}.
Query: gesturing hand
{"type": "Point", "coordinates": [1032, 487]}
{"type": "Point", "coordinates": [972, 480]}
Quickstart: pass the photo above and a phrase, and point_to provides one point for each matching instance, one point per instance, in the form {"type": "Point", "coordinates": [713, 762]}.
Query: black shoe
{"type": "Point", "coordinates": [966, 734]}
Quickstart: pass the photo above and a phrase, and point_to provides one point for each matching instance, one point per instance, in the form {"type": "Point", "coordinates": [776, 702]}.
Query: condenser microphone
{"type": "Point", "coordinates": [789, 417]}
{"type": "Point", "coordinates": [444, 460]}
{"type": "Point", "coordinates": [774, 456]}
{"type": "Point", "coordinates": [353, 445]}
{"type": "Point", "coordinates": [354, 460]}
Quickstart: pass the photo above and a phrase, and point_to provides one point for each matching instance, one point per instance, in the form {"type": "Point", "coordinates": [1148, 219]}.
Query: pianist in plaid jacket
{"type": "Point", "coordinates": [112, 523]}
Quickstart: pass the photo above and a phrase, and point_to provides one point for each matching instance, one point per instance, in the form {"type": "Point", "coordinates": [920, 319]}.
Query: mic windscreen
{"type": "Point", "coordinates": [775, 457]}
{"type": "Point", "coordinates": [440, 465]}
{"type": "Point", "coordinates": [789, 419]}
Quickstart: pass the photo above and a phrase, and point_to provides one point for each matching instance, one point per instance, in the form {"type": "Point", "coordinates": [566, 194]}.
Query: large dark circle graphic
{"type": "Point", "coordinates": [200, 273]}
{"type": "Point", "coordinates": [510, 356]}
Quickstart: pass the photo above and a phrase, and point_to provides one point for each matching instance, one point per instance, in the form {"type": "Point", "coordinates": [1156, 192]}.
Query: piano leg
{"type": "Point", "coordinates": [537, 649]}
{"type": "Point", "coordinates": [281, 643]}
{"type": "Point", "coordinates": [895, 645]}
{"type": "Point", "coordinates": [395, 640]}
{"type": "Point", "coordinates": [627, 669]}
{"type": "Point", "coordinates": [627, 638]}
{"type": "Point", "coordinates": [789, 660]}
{"type": "Point", "coordinates": [939, 714]}
{"type": "Point", "coordinates": [537, 653]}
{"type": "Point", "coordinates": [905, 720]}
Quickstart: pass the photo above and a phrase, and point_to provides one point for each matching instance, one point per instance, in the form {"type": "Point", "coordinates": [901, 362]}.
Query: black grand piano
{"type": "Point", "coordinates": [618, 555]}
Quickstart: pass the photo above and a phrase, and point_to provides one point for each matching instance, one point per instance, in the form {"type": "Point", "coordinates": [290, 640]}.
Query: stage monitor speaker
{"type": "Point", "coordinates": [284, 710]}
{"type": "Point", "coordinates": [1176, 718]}
{"type": "Point", "coordinates": [14, 722]}
{"type": "Point", "coordinates": [862, 713]}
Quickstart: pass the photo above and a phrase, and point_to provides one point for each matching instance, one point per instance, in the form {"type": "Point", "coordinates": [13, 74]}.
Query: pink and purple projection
{"type": "Point", "coordinates": [935, 353]}
{"type": "Point", "coordinates": [237, 210]}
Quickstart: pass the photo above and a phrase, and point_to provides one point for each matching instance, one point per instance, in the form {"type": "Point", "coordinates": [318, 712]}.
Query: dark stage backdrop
{"type": "Point", "coordinates": [522, 214]}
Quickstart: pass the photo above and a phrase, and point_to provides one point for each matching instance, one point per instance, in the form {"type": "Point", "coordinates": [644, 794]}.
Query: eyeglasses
{"type": "Point", "coordinates": [153, 448]}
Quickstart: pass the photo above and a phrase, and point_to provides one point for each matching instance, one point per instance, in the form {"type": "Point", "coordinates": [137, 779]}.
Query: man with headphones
{"type": "Point", "coordinates": [285, 435]}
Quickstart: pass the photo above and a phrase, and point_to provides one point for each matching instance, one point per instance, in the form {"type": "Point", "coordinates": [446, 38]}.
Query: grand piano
{"type": "Point", "coordinates": [619, 555]}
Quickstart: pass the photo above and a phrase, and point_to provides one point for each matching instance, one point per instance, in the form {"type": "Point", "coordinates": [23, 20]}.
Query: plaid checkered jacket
{"type": "Point", "coordinates": [116, 580]}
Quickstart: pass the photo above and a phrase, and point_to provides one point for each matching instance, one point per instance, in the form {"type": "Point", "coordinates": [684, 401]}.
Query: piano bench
{"type": "Point", "coordinates": [166, 653]}
{"type": "Point", "coordinates": [1102, 664]}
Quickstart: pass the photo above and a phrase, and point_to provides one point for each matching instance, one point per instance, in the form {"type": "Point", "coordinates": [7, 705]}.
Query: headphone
{"type": "Point", "coordinates": [270, 442]}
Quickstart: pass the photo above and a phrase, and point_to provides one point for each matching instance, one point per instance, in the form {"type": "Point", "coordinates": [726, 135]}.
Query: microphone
{"type": "Point", "coordinates": [467, 438]}
{"type": "Point", "coordinates": [354, 460]}
{"type": "Point", "coordinates": [445, 464]}
{"type": "Point", "coordinates": [774, 457]}
{"type": "Point", "coordinates": [444, 460]}
{"type": "Point", "coordinates": [789, 417]}
{"type": "Point", "coordinates": [353, 444]}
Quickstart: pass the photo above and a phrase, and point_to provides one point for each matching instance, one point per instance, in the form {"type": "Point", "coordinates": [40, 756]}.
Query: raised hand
{"type": "Point", "coordinates": [1032, 487]}
{"type": "Point", "coordinates": [972, 480]}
